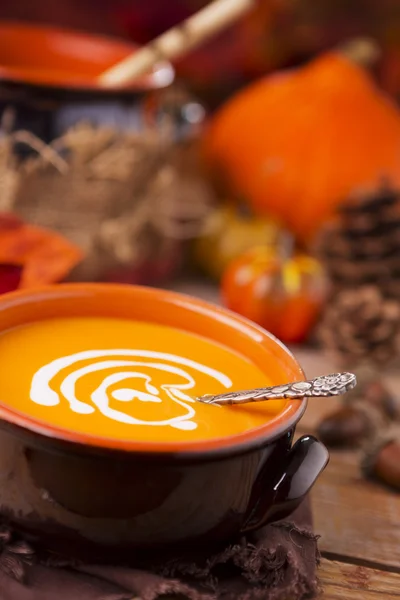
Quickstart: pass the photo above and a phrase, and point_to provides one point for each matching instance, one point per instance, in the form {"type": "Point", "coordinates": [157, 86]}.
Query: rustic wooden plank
{"type": "Point", "coordinates": [356, 518]}
{"type": "Point", "coordinates": [350, 582]}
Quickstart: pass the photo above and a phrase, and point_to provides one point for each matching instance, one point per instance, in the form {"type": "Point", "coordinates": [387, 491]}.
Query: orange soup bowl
{"type": "Point", "coordinates": [103, 447]}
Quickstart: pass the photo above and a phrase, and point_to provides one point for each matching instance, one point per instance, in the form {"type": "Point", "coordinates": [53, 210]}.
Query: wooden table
{"type": "Point", "coordinates": [358, 520]}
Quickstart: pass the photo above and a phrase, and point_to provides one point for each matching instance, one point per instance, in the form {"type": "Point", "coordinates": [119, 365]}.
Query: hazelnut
{"type": "Point", "coordinates": [386, 465]}
{"type": "Point", "coordinates": [347, 427]}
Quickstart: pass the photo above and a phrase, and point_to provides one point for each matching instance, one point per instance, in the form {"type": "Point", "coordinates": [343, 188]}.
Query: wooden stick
{"type": "Point", "coordinates": [177, 41]}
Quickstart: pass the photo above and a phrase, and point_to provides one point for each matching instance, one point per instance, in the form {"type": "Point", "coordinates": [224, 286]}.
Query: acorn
{"type": "Point", "coordinates": [347, 427]}
{"type": "Point", "coordinates": [365, 412]}
{"type": "Point", "coordinates": [381, 460]}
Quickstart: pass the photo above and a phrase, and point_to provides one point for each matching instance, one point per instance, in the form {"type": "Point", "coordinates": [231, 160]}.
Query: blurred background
{"type": "Point", "coordinates": [278, 33]}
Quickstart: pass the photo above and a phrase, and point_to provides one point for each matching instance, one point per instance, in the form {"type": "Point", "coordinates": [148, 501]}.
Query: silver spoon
{"type": "Point", "coordinates": [323, 386]}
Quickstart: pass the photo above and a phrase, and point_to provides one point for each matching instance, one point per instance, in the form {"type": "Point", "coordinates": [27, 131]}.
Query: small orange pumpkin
{"type": "Point", "coordinates": [296, 143]}
{"type": "Point", "coordinates": [283, 296]}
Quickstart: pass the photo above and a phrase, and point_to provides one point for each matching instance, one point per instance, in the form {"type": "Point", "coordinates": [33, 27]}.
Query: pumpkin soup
{"type": "Point", "coordinates": [126, 379]}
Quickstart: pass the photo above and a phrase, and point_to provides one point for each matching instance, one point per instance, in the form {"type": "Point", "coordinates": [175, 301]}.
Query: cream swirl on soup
{"type": "Point", "coordinates": [42, 393]}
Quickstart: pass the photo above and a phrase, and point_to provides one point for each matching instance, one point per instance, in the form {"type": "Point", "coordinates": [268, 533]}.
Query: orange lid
{"type": "Point", "coordinates": [52, 57]}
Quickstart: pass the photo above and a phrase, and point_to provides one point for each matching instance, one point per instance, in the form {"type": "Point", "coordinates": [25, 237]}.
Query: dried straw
{"type": "Point", "coordinates": [108, 192]}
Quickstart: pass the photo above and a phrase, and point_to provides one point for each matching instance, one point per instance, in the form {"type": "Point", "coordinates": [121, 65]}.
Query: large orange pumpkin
{"type": "Point", "coordinates": [298, 142]}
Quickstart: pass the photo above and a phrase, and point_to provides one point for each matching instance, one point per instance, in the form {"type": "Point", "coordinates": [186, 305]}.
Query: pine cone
{"type": "Point", "coordinates": [363, 245]}
{"type": "Point", "coordinates": [361, 324]}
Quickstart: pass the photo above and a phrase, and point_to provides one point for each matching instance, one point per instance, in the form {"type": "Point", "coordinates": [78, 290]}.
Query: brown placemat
{"type": "Point", "coordinates": [277, 563]}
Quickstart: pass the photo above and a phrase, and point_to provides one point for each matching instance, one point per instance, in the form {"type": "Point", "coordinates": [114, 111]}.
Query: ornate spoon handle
{"type": "Point", "coordinates": [325, 385]}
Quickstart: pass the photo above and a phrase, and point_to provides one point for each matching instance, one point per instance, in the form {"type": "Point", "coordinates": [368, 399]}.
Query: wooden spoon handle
{"type": "Point", "coordinates": [323, 386]}
{"type": "Point", "coordinates": [177, 41]}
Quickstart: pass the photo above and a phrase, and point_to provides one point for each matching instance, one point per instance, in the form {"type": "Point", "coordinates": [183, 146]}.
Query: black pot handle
{"type": "Point", "coordinates": [305, 461]}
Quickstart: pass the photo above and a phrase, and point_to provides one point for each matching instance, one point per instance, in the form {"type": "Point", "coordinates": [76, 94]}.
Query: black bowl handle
{"type": "Point", "coordinates": [305, 461]}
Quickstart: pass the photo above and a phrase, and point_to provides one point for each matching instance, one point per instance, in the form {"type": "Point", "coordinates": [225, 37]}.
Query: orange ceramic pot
{"type": "Point", "coordinates": [100, 494]}
{"type": "Point", "coordinates": [49, 76]}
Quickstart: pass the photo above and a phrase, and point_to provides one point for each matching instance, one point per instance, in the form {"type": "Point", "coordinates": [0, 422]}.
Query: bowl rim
{"type": "Point", "coordinates": [236, 443]}
{"type": "Point", "coordinates": [160, 77]}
